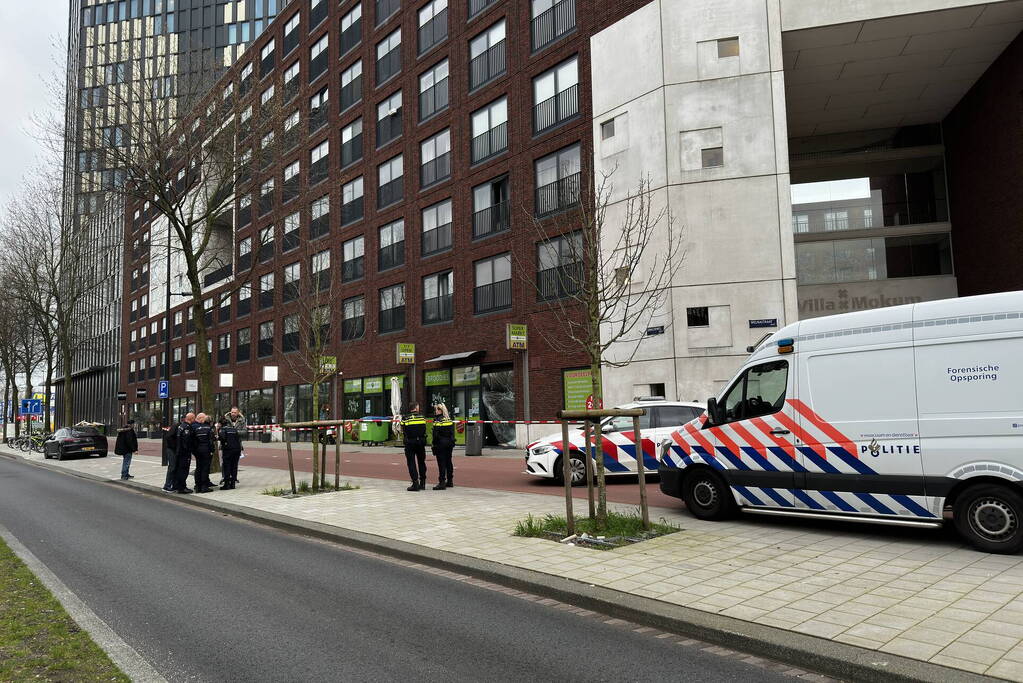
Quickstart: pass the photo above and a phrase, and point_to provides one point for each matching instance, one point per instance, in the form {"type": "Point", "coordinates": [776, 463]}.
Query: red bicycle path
{"type": "Point", "coordinates": [505, 472]}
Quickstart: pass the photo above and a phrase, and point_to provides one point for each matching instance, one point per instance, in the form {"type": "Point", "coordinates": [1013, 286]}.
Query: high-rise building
{"type": "Point", "coordinates": [119, 53]}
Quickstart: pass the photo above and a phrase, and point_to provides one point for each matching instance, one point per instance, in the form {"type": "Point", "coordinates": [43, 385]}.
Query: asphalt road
{"type": "Point", "coordinates": [205, 597]}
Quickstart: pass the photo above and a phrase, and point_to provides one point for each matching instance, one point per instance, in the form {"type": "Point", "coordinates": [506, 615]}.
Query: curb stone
{"type": "Point", "coordinates": [840, 660]}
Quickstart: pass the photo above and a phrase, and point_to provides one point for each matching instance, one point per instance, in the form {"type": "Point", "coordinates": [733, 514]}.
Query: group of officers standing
{"type": "Point", "coordinates": [413, 429]}
{"type": "Point", "coordinates": [194, 437]}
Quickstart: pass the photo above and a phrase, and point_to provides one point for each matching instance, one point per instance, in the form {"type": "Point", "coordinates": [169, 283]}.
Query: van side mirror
{"type": "Point", "coordinates": [714, 411]}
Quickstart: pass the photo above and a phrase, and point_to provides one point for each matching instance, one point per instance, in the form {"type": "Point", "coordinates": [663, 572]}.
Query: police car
{"type": "Point", "coordinates": [543, 457]}
{"type": "Point", "coordinates": [896, 416]}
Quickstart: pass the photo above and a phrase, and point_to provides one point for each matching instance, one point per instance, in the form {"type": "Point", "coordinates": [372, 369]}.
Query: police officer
{"type": "Point", "coordinates": [230, 451]}
{"type": "Point", "coordinates": [202, 438]}
{"type": "Point", "coordinates": [443, 444]}
{"type": "Point", "coordinates": [183, 462]}
{"type": "Point", "coordinates": [413, 429]}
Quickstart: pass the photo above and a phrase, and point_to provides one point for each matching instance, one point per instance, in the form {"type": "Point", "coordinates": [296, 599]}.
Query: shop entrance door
{"type": "Point", "coordinates": [498, 404]}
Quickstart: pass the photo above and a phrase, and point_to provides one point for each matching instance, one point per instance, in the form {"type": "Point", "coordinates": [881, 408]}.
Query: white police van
{"type": "Point", "coordinates": [897, 415]}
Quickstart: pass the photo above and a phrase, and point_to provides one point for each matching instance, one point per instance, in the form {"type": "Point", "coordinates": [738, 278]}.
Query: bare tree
{"type": "Point", "coordinates": [605, 266]}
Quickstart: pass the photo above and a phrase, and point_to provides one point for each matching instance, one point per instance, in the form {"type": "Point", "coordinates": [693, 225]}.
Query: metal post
{"type": "Point", "coordinates": [641, 473]}
{"type": "Point", "coordinates": [587, 425]}
{"type": "Point", "coordinates": [566, 473]}
{"type": "Point", "coordinates": [338, 431]}
{"type": "Point", "coordinates": [525, 386]}
{"type": "Point", "coordinates": [291, 461]}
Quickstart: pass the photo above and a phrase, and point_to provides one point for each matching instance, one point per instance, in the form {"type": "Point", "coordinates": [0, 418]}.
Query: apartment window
{"type": "Point", "coordinates": [266, 196]}
{"type": "Point", "coordinates": [353, 259]}
{"type": "Point", "coordinates": [437, 297]}
{"type": "Point", "coordinates": [266, 244]}
{"type": "Point", "coordinates": [266, 59]}
{"type": "Point", "coordinates": [436, 158]}
{"type": "Point", "coordinates": [319, 213]}
{"type": "Point", "coordinates": [557, 181]}
{"type": "Point", "coordinates": [266, 339]}
{"type": "Point", "coordinates": [291, 80]}
{"type": "Point", "coordinates": [389, 119]}
{"type": "Point", "coordinates": [320, 269]}
{"type": "Point", "coordinates": [556, 95]}
{"type": "Point", "coordinates": [728, 47]}
{"type": "Point", "coordinates": [388, 56]}
{"type": "Point", "coordinates": [224, 349]}
{"type": "Point", "coordinates": [190, 358]}
{"type": "Point", "coordinates": [351, 29]}
{"type": "Point", "coordinates": [389, 181]}
{"type": "Point", "coordinates": [245, 79]}
{"type": "Point", "coordinates": [290, 238]}
{"type": "Point", "coordinates": [493, 284]}
{"type": "Point", "coordinates": [712, 157]}
{"type": "Point", "coordinates": [437, 228]}
{"type": "Point", "coordinates": [559, 270]}
{"type": "Point", "coordinates": [244, 211]}
{"type": "Point", "coordinates": [289, 336]}
{"type": "Point", "coordinates": [318, 107]}
{"type": "Point", "coordinates": [291, 130]}
{"type": "Point", "coordinates": [351, 201]}
{"type": "Point", "coordinates": [134, 339]}
{"type": "Point", "coordinates": [176, 361]}
{"type": "Point", "coordinates": [318, 57]}
{"type": "Point", "coordinates": [244, 122]}
{"type": "Point", "coordinates": [245, 167]}
{"type": "Point", "coordinates": [490, 130]}
{"type": "Point", "coordinates": [266, 290]}
{"type": "Point", "coordinates": [490, 208]}
{"type": "Point", "coordinates": [433, 90]}
{"type": "Point", "coordinates": [224, 309]}
{"type": "Point", "coordinates": [243, 348]}
{"type": "Point", "coordinates": [353, 323]}
{"type": "Point", "coordinates": [351, 143]}
{"type": "Point", "coordinates": [385, 8]}
{"type": "Point", "coordinates": [244, 300]}
{"type": "Point", "coordinates": [351, 85]}
{"type": "Point", "coordinates": [486, 56]}
{"type": "Point", "coordinates": [698, 316]}
{"type": "Point", "coordinates": [266, 153]}
{"type": "Point", "coordinates": [131, 372]}
{"type": "Point", "coordinates": [179, 320]}
{"type": "Point", "coordinates": [291, 33]}
{"type": "Point", "coordinates": [868, 218]}
{"type": "Point", "coordinates": [552, 19]}
{"type": "Point", "coordinates": [319, 160]}
{"type": "Point", "coordinates": [289, 190]}
{"type": "Point", "coordinates": [266, 95]}
{"type": "Point", "coordinates": [317, 12]}
{"type": "Point", "coordinates": [433, 24]}
{"type": "Point", "coordinates": [392, 308]}
{"type": "Point", "coordinates": [392, 245]}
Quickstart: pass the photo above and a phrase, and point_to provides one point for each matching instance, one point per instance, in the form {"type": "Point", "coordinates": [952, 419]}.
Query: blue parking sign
{"type": "Point", "coordinates": [31, 406]}
{"type": "Point", "coordinates": [163, 389]}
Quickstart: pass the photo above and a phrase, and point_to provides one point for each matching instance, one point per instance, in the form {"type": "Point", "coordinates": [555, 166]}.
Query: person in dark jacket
{"type": "Point", "coordinates": [230, 451]}
{"type": "Point", "coordinates": [413, 429]}
{"type": "Point", "coordinates": [127, 444]}
{"type": "Point", "coordinates": [202, 438]}
{"type": "Point", "coordinates": [184, 445]}
{"type": "Point", "coordinates": [443, 444]}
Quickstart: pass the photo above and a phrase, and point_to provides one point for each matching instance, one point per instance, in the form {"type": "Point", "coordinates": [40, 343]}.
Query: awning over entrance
{"type": "Point", "coordinates": [465, 355]}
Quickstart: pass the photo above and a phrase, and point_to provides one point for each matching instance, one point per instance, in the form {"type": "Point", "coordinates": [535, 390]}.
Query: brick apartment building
{"type": "Point", "coordinates": [432, 133]}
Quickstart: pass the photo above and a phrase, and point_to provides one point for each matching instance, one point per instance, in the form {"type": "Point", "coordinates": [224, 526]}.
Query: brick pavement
{"type": "Point", "coordinates": [913, 593]}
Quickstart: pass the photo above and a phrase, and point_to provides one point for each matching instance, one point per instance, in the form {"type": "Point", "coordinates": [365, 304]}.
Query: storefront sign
{"type": "Point", "coordinates": [406, 354]}
{"type": "Point", "coordinates": [437, 378]}
{"type": "Point", "coordinates": [328, 363]}
{"type": "Point", "coordinates": [578, 385]}
{"type": "Point", "coordinates": [373, 385]}
{"type": "Point", "coordinates": [353, 386]}
{"type": "Point", "coordinates": [191, 385]}
{"type": "Point", "coordinates": [517, 336]}
{"type": "Point", "coordinates": [465, 377]}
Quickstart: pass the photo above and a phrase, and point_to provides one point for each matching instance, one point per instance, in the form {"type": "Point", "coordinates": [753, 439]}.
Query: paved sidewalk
{"type": "Point", "coordinates": [913, 593]}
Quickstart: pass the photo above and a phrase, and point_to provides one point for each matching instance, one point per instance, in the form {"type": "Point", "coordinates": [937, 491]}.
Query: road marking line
{"type": "Point", "coordinates": [123, 655]}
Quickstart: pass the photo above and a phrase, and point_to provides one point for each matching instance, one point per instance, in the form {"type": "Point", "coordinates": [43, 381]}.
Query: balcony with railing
{"type": "Point", "coordinates": [560, 281]}
{"type": "Point", "coordinates": [353, 328]}
{"type": "Point", "coordinates": [318, 117]}
{"type": "Point", "coordinates": [436, 170]}
{"type": "Point", "coordinates": [385, 8]}
{"type": "Point", "coordinates": [244, 306]}
{"type": "Point", "coordinates": [266, 298]}
{"type": "Point", "coordinates": [487, 66]}
{"type": "Point", "coordinates": [321, 280]}
{"type": "Point", "coordinates": [433, 99]}
{"type": "Point", "coordinates": [266, 203]}
{"type": "Point", "coordinates": [391, 256]}
{"type": "Point", "coordinates": [217, 275]}
{"type": "Point", "coordinates": [390, 192]}
{"type": "Point", "coordinates": [392, 319]}
{"type": "Point", "coordinates": [318, 170]}
{"type": "Point", "coordinates": [477, 6]}
{"type": "Point", "coordinates": [388, 128]}
{"type": "Point", "coordinates": [289, 240]}
{"type": "Point", "coordinates": [242, 353]}
{"type": "Point", "coordinates": [289, 342]}
{"type": "Point", "coordinates": [491, 143]}
{"type": "Point", "coordinates": [434, 31]}
{"type": "Point", "coordinates": [438, 309]}
{"type": "Point", "coordinates": [388, 65]}
{"type": "Point", "coordinates": [351, 151]}
{"type": "Point", "coordinates": [491, 220]}
{"type": "Point", "coordinates": [290, 41]}
{"type": "Point", "coordinates": [289, 189]}
{"type": "Point", "coordinates": [351, 36]}
{"type": "Point", "coordinates": [496, 296]}
{"type": "Point", "coordinates": [319, 226]}
{"type": "Point", "coordinates": [352, 211]}
{"type": "Point", "coordinates": [291, 290]}
{"type": "Point", "coordinates": [553, 24]}
{"type": "Point", "coordinates": [555, 110]}
{"type": "Point", "coordinates": [353, 269]}
{"type": "Point", "coordinates": [351, 94]}
{"type": "Point", "coordinates": [266, 65]}
{"type": "Point", "coordinates": [317, 14]}
{"type": "Point", "coordinates": [265, 348]}
{"type": "Point", "coordinates": [437, 239]}
{"type": "Point", "coordinates": [318, 65]}
{"type": "Point", "coordinates": [557, 196]}
{"type": "Point", "coordinates": [223, 356]}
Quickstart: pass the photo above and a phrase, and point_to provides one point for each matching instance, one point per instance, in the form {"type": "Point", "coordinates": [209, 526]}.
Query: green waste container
{"type": "Point", "coordinates": [374, 429]}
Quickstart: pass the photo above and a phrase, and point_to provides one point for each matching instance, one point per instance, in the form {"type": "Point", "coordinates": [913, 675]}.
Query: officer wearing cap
{"type": "Point", "coordinates": [443, 445]}
{"type": "Point", "coordinates": [413, 429]}
{"type": "Point", "coordinates": [202, 438]}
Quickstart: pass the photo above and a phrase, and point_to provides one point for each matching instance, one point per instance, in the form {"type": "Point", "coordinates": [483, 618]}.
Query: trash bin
{"type": "Point", "coordinates": [473, 438]}
{"type": "Point", "coordinates": [351, 431]}
{"type": "Point", "coordinates": [374, 429]}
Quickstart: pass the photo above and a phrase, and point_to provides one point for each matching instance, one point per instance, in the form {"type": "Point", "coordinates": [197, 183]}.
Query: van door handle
{"type": "Point", "coordinates": [779, 432]}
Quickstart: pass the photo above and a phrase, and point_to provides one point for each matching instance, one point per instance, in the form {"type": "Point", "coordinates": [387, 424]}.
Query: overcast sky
{"type": "Point", "coordinates": [33, 38]}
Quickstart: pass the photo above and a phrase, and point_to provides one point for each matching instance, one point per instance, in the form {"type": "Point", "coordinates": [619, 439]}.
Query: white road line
{"type": "Point", "coordinates": [123, 655]}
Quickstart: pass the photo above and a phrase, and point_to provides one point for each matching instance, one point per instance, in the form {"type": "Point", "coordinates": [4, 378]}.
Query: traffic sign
{"type": "Point", "coordinates": [140, 392]}
{"type": "Point", "coordinates": [31, 406]}
{"type": "Point", "coordinates": [163, 389]}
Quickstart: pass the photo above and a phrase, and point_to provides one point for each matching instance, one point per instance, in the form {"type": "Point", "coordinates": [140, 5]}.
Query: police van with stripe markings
{"type": "Point", "coordinates": [906, 415]}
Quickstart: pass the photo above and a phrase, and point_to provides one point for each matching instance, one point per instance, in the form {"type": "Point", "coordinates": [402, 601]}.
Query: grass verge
{"type": "Point", "coordinates": [38, 639]}
{"type": "Point", "coordinates": [623, 528]}
{"type": "Point", "coordinates": [305, 488]}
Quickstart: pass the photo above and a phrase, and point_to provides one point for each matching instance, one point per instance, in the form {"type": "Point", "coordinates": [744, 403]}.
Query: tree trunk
{"type": "Point", "coordinates": [316, 436]}
{"type": "Point", "coordinates": [598, 401]}
{"type": "Point", "coordinates": [7, 404]}
{"type": "Point", "coordinates": [28, 393]}
{"type": "Point", "coordinates": [69, 403]}
{"type": "Point", "coordinates": [46, 391]}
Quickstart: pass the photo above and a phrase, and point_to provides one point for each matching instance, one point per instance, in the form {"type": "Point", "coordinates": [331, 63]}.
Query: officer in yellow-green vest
{"type": "Point", "coordinates": [443, 444]}
{"type": "Point", "coordinates": [413, 429]}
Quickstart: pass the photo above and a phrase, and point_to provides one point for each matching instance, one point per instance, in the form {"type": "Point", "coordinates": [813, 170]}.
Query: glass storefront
{"type": "Point", "coordinates": [475, 393]}
{"type": "Point", "coordinates": [370, 396]}
{"type": "Point", "coordinates": [257, 405]}
{"type": "Point", "coordinates": [834, 261]}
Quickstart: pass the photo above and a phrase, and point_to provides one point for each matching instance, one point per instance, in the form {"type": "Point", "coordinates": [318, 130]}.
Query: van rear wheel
{"type": "Point", "coordinates": [707, 496]}
{"type": "Point", "coordinates": [990, 517]}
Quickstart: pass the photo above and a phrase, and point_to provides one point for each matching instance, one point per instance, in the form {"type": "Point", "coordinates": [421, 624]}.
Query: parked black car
{"type": "Point", "coordinates": [75, 441]}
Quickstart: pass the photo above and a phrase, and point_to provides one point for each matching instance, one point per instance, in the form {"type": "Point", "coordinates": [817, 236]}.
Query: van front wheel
{"type": "Point", "coordinates": [707, 496]}
{"type": "Point", "coordinates": [990, 517]}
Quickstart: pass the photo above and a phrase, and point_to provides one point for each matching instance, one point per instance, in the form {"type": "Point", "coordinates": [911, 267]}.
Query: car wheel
{"type": "Point", "coordinates": [707, 496]}
{"type": "Point", "coordinates": [990, 517]}
{"type": "Point", "coordinates": [46, 454]}
{"type": "Point", "coordinates": [577, 466]}
{"type": "Point", "coordinates": [60, 453]}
